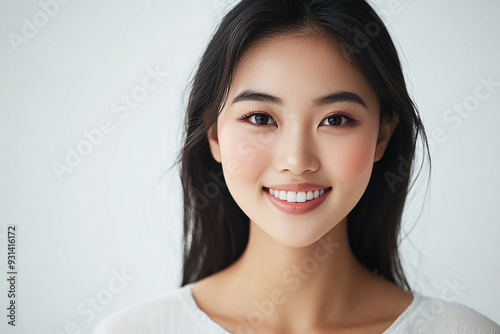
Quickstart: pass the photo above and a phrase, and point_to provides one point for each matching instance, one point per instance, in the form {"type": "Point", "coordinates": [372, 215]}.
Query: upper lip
{"type": "Point", "coordinates": [297, 187]}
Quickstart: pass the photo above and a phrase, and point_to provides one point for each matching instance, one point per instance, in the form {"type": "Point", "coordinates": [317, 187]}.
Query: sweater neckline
{"type": "Point", "coordinates": [199, 313]}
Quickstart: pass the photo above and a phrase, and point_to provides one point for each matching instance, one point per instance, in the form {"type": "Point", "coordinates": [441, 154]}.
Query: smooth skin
{"type": "Point", "coordinates": [298, 273]}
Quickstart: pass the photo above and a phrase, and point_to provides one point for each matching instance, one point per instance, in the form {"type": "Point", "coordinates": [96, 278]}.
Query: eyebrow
{"type": "Point", "coordinates": [344, 96]}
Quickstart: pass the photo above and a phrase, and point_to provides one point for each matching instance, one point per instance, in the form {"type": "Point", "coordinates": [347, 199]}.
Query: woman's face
{"type": "Point", "coordinates": [313, 119]}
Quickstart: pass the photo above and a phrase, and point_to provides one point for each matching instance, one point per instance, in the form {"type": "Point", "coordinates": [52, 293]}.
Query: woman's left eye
{"type": "Point", "coordinates": [337, 120]}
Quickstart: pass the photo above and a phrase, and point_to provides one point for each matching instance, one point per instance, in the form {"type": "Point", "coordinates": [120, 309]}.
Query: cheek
{"type": "Point", "coordinates": [243, 154]}
{"type": "Point", "coordinates": [354, 157]}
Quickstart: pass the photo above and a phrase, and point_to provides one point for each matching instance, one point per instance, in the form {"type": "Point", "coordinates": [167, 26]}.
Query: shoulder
{"type": "Point", "coordinates": [167, 313]}
{"type": "Point", "coordinates": [433, 315]}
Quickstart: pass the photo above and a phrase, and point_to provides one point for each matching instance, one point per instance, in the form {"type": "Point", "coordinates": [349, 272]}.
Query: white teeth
{"type": "Point", "coordinates": [283, 195]}
{"type": "Point", "coordinates": [301, 197]}
{"type": "Point", "coordinates": [292, 196]}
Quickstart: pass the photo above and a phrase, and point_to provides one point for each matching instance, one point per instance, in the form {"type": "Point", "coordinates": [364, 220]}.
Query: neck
{"type": "Point", "coordinates": [308, 283]}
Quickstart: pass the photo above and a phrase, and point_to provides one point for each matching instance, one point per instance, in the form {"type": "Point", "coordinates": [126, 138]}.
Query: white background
{"type": "Point", "coordinates": [120, 209]}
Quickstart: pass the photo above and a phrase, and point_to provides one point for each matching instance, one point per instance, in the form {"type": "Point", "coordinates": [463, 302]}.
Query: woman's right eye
{"type": "Point", "coordinates": [258, 119]}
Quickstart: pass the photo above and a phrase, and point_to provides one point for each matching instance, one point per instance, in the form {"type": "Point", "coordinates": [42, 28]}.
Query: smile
{"type": "Point", "coordinates": [296, 202]}
{"type": "Point", "coordinates": [292, 196]}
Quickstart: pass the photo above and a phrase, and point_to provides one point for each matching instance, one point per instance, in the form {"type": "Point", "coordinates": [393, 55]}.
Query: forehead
{"type": "Point", "coordinates": [299, 66]}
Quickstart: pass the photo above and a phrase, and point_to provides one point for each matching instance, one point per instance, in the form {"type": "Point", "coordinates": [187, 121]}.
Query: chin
{"type": "Point", "coordinates": [293, 236]}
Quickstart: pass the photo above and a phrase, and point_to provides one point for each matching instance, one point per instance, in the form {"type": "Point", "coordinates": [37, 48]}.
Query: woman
{"type": "Point", "coordinates": [299, 147]}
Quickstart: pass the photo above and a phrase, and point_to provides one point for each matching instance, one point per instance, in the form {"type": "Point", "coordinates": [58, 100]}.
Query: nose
{"type": "Point", "coordinates": [296, 152]}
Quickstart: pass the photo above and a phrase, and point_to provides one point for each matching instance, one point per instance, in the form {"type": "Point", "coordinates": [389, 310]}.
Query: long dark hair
{"type": "Point", "coordinates": [216, 230]}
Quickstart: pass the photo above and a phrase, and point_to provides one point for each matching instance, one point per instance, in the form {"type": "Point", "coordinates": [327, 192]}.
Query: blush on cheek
{"type": "Point", "coordinates": [356, 158]}
{"type": "Point", "coordinates": [243, 153]}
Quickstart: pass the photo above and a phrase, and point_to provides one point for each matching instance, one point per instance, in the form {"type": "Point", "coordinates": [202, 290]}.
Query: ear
{"type": "Point", "coordinates": [213, 141]}
{"type": "Point", "coordinates": [384, 135]}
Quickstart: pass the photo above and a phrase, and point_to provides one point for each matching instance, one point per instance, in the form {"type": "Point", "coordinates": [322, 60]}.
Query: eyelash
{"type": "Point", "coordinates": [349, 120]}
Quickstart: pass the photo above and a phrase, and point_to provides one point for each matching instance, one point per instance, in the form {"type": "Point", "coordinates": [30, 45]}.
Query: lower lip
{"type": "Point", "coordinates": [297, 208]}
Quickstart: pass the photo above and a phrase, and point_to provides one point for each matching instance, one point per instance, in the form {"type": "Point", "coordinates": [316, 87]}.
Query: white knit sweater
{"type": "Point", "coordinates": [177, 312]}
